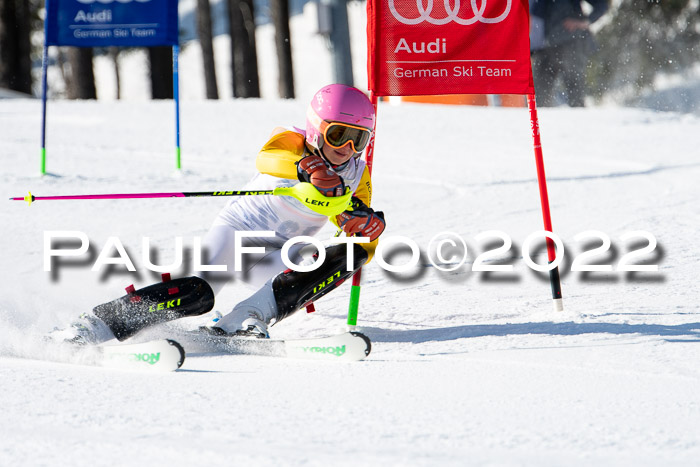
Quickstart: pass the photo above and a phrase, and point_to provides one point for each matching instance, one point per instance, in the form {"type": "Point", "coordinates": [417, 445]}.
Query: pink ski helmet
{"type": "Point", "coordinates": [339, 115]}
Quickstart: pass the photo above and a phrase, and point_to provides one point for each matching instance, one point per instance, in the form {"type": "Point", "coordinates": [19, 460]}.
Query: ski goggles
{"type": "Point", "coordinates": [337, 135]}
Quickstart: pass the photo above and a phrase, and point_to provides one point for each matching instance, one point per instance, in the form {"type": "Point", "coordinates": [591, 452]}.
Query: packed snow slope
{"type": "Point", "coordinates": [467, 367]}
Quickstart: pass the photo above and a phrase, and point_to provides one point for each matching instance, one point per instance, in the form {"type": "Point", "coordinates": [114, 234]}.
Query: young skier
{"type": "Point", "coordinates": [339, 124]}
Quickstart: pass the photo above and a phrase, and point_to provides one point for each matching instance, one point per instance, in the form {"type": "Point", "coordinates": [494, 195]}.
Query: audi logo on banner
{"type": "Point", "coordinates": [87, 2]}
{"type": "Point", "coordinates": [452, 14]}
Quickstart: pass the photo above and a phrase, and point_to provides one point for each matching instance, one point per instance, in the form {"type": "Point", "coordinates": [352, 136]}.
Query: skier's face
{"type": "Point", "coordinates": [338, 156]}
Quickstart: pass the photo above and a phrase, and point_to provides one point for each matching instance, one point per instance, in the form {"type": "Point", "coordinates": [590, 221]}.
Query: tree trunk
{"type": "Point", "coordinates": [279, 10]}
{"type": "Point", "coordinates": [204, 30]}
{"type": "Point", "coordinates": [114, 54]}
{"type": "Point", "coordinates": [82, 82]}
{"type": "Point", "coordinates": [244, 58]}
{"type": "Point", "coordinates": [15, 46]}
{"type": "Point", "coordinates": [340, 43]}
{"type": "Point", "coordinates": [161, 59]}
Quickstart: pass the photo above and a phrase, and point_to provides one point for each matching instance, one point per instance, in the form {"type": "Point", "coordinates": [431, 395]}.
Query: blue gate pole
{"type": "Point", "coordinates": [176, 98]}
{"type": "Point", "coordinates": [44, 70]}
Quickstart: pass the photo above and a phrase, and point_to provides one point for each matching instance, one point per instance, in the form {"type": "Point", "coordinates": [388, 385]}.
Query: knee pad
{"type": "Point", "coordinates": [155, 304]}
{"type": "Point", "coordinates": [293, 289]}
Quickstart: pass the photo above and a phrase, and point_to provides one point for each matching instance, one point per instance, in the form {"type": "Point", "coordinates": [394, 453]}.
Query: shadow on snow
{"type": "Point", "coordinates": [548, 328]}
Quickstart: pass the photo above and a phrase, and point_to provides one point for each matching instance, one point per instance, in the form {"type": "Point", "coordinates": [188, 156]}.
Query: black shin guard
{"type": "Point", "coordinates": [155, 304]}
{"type": "Point", "coordinates": [293, 289]}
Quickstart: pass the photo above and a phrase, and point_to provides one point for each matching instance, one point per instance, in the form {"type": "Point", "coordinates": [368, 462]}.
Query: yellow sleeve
{"type": "Point", "coordinates": [364, 192]}
{"type": "Point", "coordinates": [364, 189]}
{"type": "Point", "coordinates": [278, 156]}
{"type": "Point", "coordinates": [369, 248]}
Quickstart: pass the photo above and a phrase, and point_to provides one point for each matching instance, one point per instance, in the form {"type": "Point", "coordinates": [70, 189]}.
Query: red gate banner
{"type": "Point", "coordinates": [418, 47]}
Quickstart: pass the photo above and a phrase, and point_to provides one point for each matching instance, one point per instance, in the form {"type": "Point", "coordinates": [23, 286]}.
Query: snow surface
{"type": "Point", "coordinates": [467, 368]}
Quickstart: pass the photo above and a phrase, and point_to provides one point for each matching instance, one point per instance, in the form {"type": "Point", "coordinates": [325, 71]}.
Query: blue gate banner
{"type": "Point", "coordinates": [103, 23]}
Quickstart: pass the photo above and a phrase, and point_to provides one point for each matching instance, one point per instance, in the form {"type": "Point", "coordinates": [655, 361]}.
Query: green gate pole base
{"type": "Point", "coordinates": [43, 161]}
{"type": "Point", "coordinates": [354, 305]}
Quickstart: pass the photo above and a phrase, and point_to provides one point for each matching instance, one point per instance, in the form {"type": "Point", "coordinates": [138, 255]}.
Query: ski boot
{"type": "Point", "coordinates": [87, 329]}
{"type": "Point", "coordinates": [238, 323]}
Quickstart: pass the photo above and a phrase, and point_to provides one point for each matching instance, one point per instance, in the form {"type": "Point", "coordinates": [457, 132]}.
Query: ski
{"type": "Point", "coordinates": [156, 355]}
{"type": "Point", "coordinates": [349, 346]}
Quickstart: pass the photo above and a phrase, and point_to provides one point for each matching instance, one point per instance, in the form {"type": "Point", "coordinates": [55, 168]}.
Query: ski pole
{"type": "Point", "coordinates": [31, 198]}
{"type": "Point", "coordinates": [304, 192]}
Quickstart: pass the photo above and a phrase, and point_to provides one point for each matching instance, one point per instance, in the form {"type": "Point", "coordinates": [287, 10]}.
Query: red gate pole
{"type": "Point", "coordinates": [357, 278]}
{"type": "Point", "coordinates": [554, 278]}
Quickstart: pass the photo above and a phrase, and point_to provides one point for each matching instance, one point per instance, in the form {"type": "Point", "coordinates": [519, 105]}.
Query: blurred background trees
{"type": "Point", "coordinates": [161, 61]}
{"type": "Point", "coordinates": [18, 18]}
{"type": "Point", "coordinates": [642, 39]}
{"type": "Point", "coordinates": [205, 33]}
{"type": "Point", "coordinates": [638, 40]}
{"type": "Point", "coordinates": [279, 10]}
{"type": "Point", "coordinates": [244, 56]}
{"type": "Point", "coordinates": [79, 76]}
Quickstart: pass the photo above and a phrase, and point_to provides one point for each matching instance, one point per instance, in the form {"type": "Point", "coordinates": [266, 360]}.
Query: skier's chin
{"type": "Point", "coordinates": [336, 157]}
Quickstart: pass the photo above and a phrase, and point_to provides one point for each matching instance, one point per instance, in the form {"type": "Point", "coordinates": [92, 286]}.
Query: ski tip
{"type": "Point", "coordinates": [368, 349]}
{"type": "Point", "coordinates": [180, 349]}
